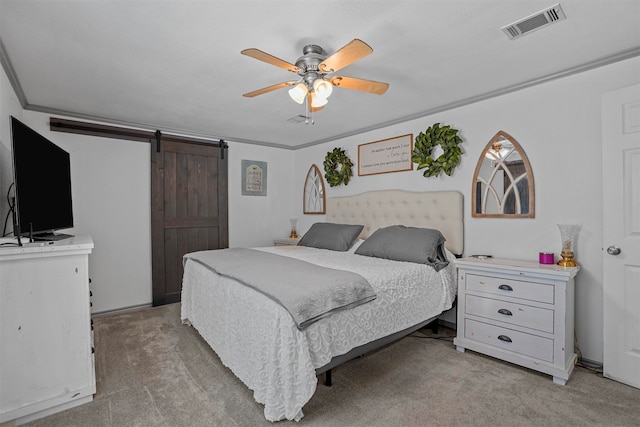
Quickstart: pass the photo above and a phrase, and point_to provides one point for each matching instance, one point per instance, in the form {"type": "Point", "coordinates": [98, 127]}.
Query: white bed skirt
{"type": "Point", "coordinates": [257, 338]}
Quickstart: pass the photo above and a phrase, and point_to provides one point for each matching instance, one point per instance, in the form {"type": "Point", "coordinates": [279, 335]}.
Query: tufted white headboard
{"type": "Point", "coordinates": [442, 210]}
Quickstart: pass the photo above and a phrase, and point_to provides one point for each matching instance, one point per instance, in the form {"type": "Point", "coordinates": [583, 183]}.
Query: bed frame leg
{"type": "Point", "coordinates": [327, 378]}
{"type": "Point", "coordinates": [434, 326]}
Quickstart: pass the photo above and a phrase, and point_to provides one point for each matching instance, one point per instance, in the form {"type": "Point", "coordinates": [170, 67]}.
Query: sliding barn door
{"type": "Point", "coordinates": [189, 209]}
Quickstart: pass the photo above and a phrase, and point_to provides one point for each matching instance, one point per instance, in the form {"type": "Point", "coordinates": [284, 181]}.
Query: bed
{"type": "Point", "coordinates": [258, 339]}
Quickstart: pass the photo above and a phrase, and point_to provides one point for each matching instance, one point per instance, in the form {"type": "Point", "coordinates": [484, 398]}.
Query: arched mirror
{"type": "Point", "coordinates": [503, 181]}
{"type": "Point", "coordinates": [314, 198]}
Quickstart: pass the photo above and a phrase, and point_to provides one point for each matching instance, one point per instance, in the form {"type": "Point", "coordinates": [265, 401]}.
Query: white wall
{"type": "Point", "coordinates": [257, 220]}
{"type": "Point", "coordinates": [558, 124]}
{"type": "Point", "coordinates": [110, 184]}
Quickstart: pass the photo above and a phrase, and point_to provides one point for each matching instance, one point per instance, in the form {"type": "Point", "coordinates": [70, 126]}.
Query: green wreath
{"type": "Point", "coordinates": [337, 167]}
{"type": "Point", "coordinates": [448, 139]}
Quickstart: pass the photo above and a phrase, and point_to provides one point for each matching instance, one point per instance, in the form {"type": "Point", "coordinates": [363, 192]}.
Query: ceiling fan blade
{"type": "Point", "coordinates": [370, 86]}
{"type": "Point", "coordinates": [269, 88]}
{"type": "Point", "coordinates": [270, 59]}
{"type": "Point", "coordinates": [348, 54]}
{"type": "Point", "coordinates": [309, 101]}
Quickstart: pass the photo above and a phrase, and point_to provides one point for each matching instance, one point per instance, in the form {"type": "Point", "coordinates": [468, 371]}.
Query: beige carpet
{"type": "Point", "coordinates": [153, 371]}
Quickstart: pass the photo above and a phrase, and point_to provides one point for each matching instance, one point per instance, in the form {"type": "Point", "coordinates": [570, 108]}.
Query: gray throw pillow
{"type": "Point", "coordinates": [326, 235]}
{"type": "Point", "coordinates": [409, 244]}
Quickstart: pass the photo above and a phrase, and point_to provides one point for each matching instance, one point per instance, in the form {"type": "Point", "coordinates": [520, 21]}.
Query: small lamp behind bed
{"type": "Point", "coordinates": [294, 227]}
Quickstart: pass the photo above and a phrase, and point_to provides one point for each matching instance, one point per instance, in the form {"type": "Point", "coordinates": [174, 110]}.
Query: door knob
{"type": "Point", "coordinates": [613, 250]}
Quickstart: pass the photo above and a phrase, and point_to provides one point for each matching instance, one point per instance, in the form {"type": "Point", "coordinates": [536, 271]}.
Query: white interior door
{"type": "Point", "coordinates": [621, 234]}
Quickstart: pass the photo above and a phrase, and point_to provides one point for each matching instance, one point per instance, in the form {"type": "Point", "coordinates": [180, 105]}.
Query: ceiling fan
{"type": "Point", "coordinates": [314, 68]}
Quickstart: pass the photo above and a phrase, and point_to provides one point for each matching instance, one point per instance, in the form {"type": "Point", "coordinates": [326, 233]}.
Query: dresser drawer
{"type": "Point", "coordinates": [508, 339]}
{"type": "Point", "coordinates": [512, 288]}
{"type": "Point", "coordinates": [540, 319]}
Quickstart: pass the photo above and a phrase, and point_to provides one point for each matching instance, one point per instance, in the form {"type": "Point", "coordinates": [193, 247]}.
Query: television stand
{"type": "Point", "coordinates": [50, 237]}
{"type": "Point", "coordinates": [45, 324]}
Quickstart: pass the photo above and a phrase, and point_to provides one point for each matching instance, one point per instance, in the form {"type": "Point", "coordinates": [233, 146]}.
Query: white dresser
{"type": "Point", "coordinates": [518, 311]}
{"type": "Point", "coordinates": [46, 354]}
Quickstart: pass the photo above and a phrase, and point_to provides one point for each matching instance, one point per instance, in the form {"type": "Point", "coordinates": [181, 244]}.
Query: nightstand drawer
{"type": "Point", "coordinates": [286, 241]}
{"type": "Point", "coordinates": [516, 314]}
{"type": "Point", "coordinates": [512, 288]}
{"type": "Point", "coordinates": [507, 339]}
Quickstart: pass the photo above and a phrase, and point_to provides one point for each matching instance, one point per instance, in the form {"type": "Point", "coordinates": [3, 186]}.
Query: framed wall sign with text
{"type": "Point", "coordinates": [254, 178]}
{"type": "Point", "coordinates": [384, 156]}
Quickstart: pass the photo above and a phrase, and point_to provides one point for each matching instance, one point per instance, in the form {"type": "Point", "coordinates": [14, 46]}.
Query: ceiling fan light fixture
{"type": "Point", "coordinates": [318, 101]}
{"type": "Point", "coordinates": [298, 92]}
{"type": "Point", "coordinates": [322, 88]}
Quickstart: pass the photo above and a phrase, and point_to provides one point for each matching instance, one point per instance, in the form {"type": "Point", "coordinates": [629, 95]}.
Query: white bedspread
{"type": "Point", "coordinates": [258, 340]}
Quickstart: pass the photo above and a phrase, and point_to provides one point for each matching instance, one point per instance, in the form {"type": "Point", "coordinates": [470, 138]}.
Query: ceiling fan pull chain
{"type": "Point", "coordinates": [313, 117]}
{"type": "Point", "coordinates": [306, 113]}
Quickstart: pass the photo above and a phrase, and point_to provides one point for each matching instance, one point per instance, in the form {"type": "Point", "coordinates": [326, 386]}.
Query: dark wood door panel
{"type": "Point", "coordinates": [190, 215]}
{"type": "Point", "coordinates": [179, 241]}
{"type": "Point", "coordinates": [193, 179]}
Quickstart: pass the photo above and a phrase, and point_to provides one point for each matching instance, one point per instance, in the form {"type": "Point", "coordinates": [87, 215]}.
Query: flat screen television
{"type": "Point", "coordinates": [42, 179]}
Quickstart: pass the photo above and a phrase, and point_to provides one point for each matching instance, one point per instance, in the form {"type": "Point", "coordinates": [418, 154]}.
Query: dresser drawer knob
{"type": "Point", "coordinates": [504, 338]}
{"type": "Point", "coordinates": [505, 288]}
{"type": "Point", "coordinates": [505, 312]}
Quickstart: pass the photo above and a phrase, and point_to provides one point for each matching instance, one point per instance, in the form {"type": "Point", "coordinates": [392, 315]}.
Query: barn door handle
{"type": "Point", "coordinates": [222, 146]}
{"type": "Point", "coordinates": [158, 140]}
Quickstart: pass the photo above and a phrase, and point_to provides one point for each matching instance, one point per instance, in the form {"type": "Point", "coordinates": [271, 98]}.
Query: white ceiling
{"type": "Point", "coordinates": [176, 65]}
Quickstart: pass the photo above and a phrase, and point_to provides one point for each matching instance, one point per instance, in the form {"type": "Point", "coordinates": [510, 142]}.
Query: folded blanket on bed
{"type": "Point", "coordinates": [308, 291]}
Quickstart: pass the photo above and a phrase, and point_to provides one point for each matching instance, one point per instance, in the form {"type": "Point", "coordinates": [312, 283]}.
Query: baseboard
{"type": "Point", "coordinates": [591, 363]}
{"type": "Point", "coordinates": [121, 310]}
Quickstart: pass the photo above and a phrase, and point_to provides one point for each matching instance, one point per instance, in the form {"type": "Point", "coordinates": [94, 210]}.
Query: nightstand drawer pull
{"type": "Point", "coordinates": [504, 338]}
{"type": "Point", "coordinates": [505, 288]}
{"type": "Point", "coordinates": [505, 312]}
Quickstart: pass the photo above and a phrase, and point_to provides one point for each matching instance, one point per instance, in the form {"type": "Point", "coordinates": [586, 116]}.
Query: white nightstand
{"type": "Point", "coordinates": [286, 241]}
{"type": "Point", "coordinates": [518, 311]}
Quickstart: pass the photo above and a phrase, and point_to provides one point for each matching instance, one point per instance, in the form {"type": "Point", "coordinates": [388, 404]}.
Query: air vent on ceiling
{"type": "Point", "coordinates": [533, 22]}
{"type": "Point", "coordinates": [297, 119]}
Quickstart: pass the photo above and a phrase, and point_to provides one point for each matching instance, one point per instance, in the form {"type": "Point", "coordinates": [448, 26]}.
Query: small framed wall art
{"type": "Point", "coordinates": [386, 155]}
{"type": "Point", "coordinates": [254, 178]}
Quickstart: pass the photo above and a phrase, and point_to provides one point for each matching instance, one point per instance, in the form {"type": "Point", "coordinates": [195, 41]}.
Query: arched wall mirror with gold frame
{"type": "Point", "coordinates": [503, 181]}
{"type": "Point", "coordinates": [313, 199]}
